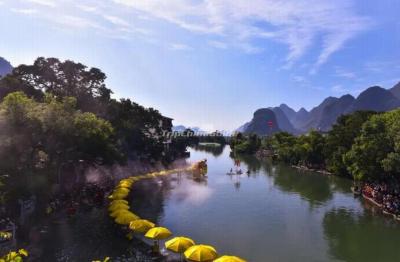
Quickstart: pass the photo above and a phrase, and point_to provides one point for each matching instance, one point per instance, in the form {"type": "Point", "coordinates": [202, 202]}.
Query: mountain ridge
{"type": "Point", "coordinates": [324, 115]}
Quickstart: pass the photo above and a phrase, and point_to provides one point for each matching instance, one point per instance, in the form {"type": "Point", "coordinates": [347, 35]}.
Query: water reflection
{"type": "Point", "coordinates": [355, 236]}
{"type": "Point", "coordinates": [192, 193]}
{"type": "Point", "coordinates": [147, 197]}
{"type": "Point", "coordinates": [263, 216]}
{"type": "Point", "coordinates": [214, 150]}
{"type": "Point", "coordinates": [314, 188]}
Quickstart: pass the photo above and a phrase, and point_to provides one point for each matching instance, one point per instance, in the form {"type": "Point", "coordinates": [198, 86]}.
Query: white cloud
{"type": "Point", "coordinates": [299, 79]}
{"type": "Point", "coordinates": [116, 20]}
{"type": "Point", "coordinates": [381, 66]}
{"type": "Point", "coordinates": [318, 27]}
{"type": "Point", "coordinates": [179, 47]}
{"type": "Point", "coordinates": [296, 23]}
{"type": "Point", "coordinates": [218, 44]}
{"type": "Point", "coordinates": [345, 74]}
{"type": "Point", "coordinates": [49, 3]}
{"type": "Point", "coordinates": [338, 89]}
{"type": "Point", "coordinates": [76, 22]}
{"type": "Point", "coordinates": [25, 11]}
{"type": "Point", "coordinates": [87, 8]}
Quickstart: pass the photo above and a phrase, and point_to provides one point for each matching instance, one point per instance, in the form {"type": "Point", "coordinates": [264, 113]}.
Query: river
{"type": "Point", "coordinates": [276, 213]}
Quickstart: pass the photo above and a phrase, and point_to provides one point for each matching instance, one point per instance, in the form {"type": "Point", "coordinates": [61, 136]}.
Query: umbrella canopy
{"type": "Point", "coordinates": [119, 201]}
{"type": "Point", "coordinates": [117, 206]}
{"type": "Point", "coordinates": [141, 225]}
{"type": "Point", "coordinates": [158, 233]}
{"type": "Point", "coordinates": [121, 190]}
{"type": "Point", "coordinates": [118, 196]}
{"type": "Point", "coordinates": [229, 259]}
{"type": "Point", "coordinates": [120, 212]}
{"type": "Point", "coordinates": [124, 184]}
{"type": "Point", "coordinates": [179, 244]}
{"type": "Point", "coordinates": [126, 219]}
{"type": "Point", "coordinates": [201, 253]}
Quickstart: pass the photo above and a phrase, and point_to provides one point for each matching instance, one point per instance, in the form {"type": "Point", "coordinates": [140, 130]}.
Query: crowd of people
{"type": "Point", "coordinates": [80, 198]}
{"type": "Point", "coordinates": [387, 197]}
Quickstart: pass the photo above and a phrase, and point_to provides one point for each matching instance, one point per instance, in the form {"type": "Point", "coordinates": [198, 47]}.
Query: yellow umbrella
{"type": "Point", "coordinates": [201, 253]}
{"type": "Point", "coordinates": [114, 207]}
{"type": "Point", "coordinates": [125, 184]}
{"type": "Point", "coordinates": [126, 219]}
{"type": "Point", "coordinates": [119, 212]}
{"type": "Point", "coordinates": [118, 196]}
{"type": "Point", "coordinates": [121, 190]}
{"type": "Point", "coordinates": [158, 233]}
{"type": "Point", "coordinates": [119, 201]}
{"type": "Point", "coordinates": [229, 259]}
{"type": "Point", "coordinates": [141, 225]}
{"type": "Point", "coordinates": [179, 244]}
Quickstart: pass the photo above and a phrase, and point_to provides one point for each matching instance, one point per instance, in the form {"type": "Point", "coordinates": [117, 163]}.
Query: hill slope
{"type": "Point", "coordinates": [323, 116]}
{"type": "Point", "coordinates": [260, 123]}
{"type": "Point", "coordinates": [396, 90]}
{"type": "Point", "coordinates": [283, 121]}
{"type": "Point", "coordinates": [5, 67]}
{"type": "Point", "coordinates": [376, 99]}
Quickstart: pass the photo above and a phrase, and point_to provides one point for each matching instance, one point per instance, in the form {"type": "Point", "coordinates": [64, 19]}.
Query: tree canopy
{"type": "Point", "coordinates": [55, 112]}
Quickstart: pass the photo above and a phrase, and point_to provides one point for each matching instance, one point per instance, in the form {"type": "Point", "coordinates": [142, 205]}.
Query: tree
{"type": "Point", "coordinates": [53, 132]}
{"type": "Point", "coordinates": [340, 139]}
{"type": "Point", "coordinates": [61, 79]}
{"type": "Point", "coordinates": [94, 137]}
{"type": "Point", "coordinates": [373, 146]}
{"type": "Point", "coordinates": [312, 149]}
{"type": "Point", "coordinates": [284, 145]}
{"type": "Point", "coordinates": [139, 131]}
{"type": "Point", "coordinates": [245, 145]}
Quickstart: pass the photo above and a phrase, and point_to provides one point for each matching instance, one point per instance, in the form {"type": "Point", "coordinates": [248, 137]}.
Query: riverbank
{"type": "Point", "coordinates": [386, 197]}
{"type": "Point", "coordinates": [383, 196]}
{"type": "Point", "coordinates": [77, 210]}
{"type": "Point", "coordinates": [304, 168]}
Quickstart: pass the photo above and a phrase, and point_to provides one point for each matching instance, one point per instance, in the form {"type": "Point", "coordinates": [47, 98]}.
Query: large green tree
{"type": "Point", "coordinates": [375, 153]}
{"type": "Point", "coordinates": [139, 131]}
{"type": "Point", "coordinates": [61, 79]}
{"type": "Point", "coordinates": [48, 134]}
{"type": "Point", "coordinates": [340, 139]}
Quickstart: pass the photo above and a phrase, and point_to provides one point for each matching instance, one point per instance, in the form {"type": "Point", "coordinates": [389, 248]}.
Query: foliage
{"type": "Point", "coordinates": [376, 152]}
{"type": "Point", "coordinates": [341, 138]}
{"type": "Point", "coordinates": [284, 145]}
{"type": "Point", "coordinates": [141, 131]}
{"type": "Point", "coordinates": [15, 256]}
{"type": "Point", "coordinates": [363, 145]}
{"type": "Point", "coordinates": [245, 144]}
{"type": "Point", "coordinates": [62, 79]}
{"type": "Point", "coordinates": [136, 132]}
{"type": "Point", "coordinates": [38, 135]}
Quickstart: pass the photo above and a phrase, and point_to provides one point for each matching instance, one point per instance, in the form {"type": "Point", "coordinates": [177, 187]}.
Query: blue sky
{"type": "Point", "coordinates": [212, 63]}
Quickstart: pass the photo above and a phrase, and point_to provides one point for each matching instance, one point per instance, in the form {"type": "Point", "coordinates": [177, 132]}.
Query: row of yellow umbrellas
{"type": "Point", "coordinates": [119, 210]}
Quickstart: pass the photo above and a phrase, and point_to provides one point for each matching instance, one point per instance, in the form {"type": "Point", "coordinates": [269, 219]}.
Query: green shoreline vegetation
{"type": "Point", "coordinates": [57, 115]}
{"type": "Point", "coordinates": [364, 146]}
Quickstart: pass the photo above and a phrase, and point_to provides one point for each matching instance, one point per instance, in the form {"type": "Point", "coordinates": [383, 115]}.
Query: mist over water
{"type": "Point", "coordinates": [275, 213]}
